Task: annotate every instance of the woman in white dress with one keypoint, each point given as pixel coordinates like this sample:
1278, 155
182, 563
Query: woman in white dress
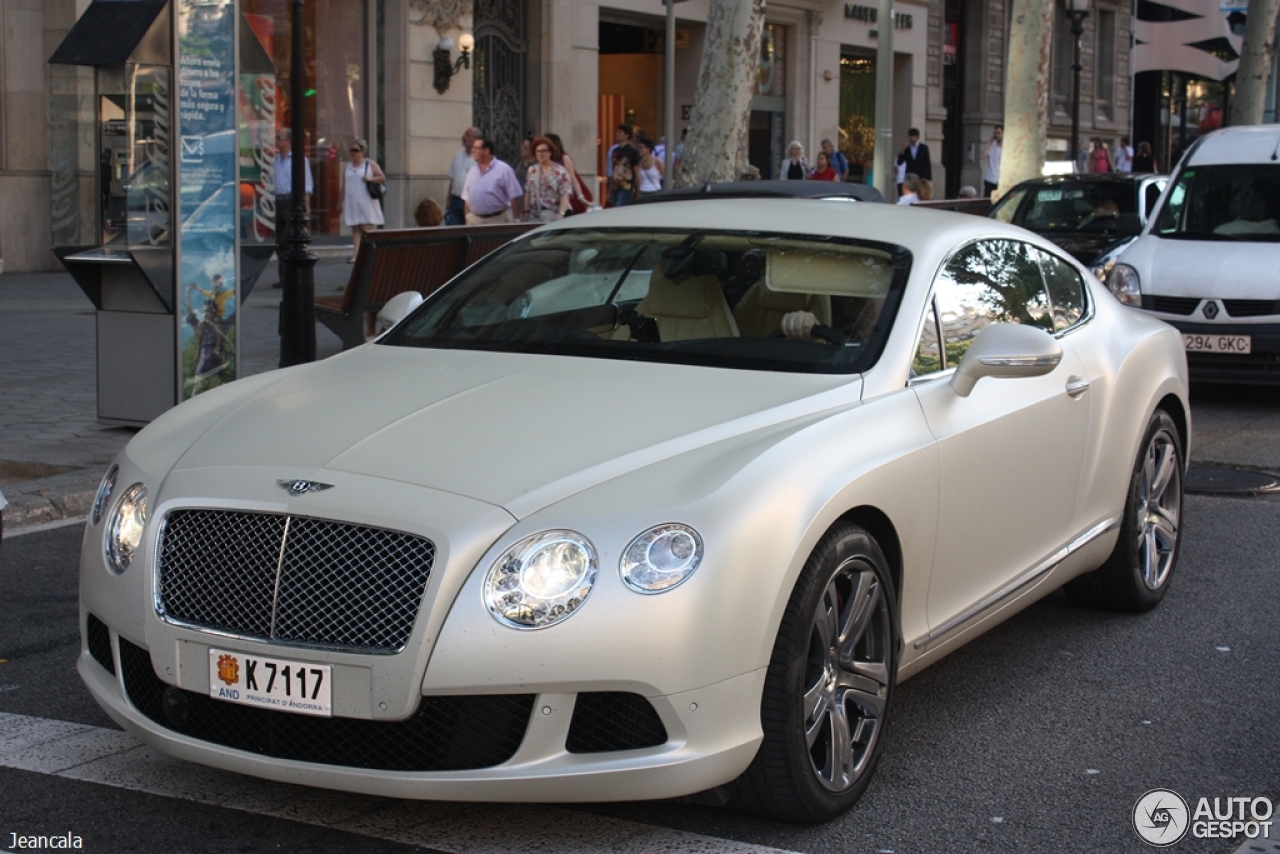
650, 171
359, 210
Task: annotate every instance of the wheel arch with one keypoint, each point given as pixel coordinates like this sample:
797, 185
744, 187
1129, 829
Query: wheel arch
1172, 404
880, 526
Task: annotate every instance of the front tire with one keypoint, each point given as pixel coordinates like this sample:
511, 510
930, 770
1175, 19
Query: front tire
1137, 574
829, 686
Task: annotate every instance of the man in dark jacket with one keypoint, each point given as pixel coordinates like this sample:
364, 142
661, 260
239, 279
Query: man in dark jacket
916, 157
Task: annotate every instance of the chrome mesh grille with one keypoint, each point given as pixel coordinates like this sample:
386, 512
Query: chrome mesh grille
292, 579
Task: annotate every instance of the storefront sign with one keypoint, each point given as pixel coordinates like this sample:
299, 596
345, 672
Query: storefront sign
207, 284
854, 12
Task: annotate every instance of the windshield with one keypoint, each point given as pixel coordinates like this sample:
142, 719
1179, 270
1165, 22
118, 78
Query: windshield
1238, 202
680, 297
1078, 206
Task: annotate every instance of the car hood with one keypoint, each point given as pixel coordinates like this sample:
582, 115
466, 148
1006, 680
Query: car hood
1196, 268
514, 430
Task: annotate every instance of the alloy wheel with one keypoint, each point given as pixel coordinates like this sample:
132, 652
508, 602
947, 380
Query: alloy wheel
1159, 510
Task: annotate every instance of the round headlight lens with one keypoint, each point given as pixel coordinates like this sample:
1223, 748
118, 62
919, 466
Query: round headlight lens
541, 580
124, 531
104, 494
1123, 282
661, 558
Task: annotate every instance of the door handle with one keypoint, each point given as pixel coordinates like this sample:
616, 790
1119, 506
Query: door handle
1077, 386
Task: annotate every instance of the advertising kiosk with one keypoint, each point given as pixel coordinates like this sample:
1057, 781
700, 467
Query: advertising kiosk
162, 139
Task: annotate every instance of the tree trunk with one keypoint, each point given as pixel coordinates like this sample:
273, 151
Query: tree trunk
1255, 63
1026, 88
716, 149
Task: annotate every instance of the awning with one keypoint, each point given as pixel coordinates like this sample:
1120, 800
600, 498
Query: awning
113, 32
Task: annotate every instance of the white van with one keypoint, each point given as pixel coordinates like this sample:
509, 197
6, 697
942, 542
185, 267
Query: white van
1208, 261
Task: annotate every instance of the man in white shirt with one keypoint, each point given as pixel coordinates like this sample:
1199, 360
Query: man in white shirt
911, 188
1123, 157
991, 162
491, 192
455, 212
284, 187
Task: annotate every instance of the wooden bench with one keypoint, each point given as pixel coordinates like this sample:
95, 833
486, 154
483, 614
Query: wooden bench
409, 259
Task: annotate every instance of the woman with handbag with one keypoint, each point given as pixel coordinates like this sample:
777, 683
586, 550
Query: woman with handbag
581, 200
363, 186
547, 186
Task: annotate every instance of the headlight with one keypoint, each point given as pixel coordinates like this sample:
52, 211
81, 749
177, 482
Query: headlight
661, 558
124, 531
104, 494
1123, 282
541, 580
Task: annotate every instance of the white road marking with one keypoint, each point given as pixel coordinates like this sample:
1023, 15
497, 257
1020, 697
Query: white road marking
117, 759
43, 526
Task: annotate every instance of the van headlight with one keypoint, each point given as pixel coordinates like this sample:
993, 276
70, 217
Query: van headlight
541, 580
1123, 282
126, 527
661, 558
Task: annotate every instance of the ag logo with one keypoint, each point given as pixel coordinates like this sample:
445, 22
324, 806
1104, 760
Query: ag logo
1161, 817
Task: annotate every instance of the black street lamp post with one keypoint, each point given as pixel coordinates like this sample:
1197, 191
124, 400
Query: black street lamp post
1077, 11
297, 265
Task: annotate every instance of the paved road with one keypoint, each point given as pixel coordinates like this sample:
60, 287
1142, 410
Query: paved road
1039, 736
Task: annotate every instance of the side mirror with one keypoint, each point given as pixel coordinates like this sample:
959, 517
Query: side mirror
1006, 350
1128, 225
395, 310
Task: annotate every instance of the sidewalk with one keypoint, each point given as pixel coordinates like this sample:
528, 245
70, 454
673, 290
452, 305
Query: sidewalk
53, 451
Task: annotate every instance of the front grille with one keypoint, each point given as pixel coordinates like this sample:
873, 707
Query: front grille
98, 637
1251, 307
1171, 305
292, 579
612, 720
444, 734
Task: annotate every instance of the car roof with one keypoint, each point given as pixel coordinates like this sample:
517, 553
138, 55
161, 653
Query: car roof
767, 189
1242, 144
1087, 178
920, 230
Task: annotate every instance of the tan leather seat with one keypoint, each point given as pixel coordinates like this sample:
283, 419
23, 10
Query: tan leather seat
760, 311
693, 308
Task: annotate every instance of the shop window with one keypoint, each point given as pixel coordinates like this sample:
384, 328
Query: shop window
858, 114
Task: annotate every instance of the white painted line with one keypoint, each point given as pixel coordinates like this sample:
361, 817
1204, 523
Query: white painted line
117, 759
43, 526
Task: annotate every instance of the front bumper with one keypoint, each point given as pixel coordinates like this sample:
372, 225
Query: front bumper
712, 734
1260, 366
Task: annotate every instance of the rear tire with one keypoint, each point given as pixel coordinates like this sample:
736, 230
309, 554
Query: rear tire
1137, 574
829, 686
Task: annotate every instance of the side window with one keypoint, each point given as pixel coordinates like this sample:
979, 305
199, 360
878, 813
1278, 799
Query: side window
991, 281
1153, 196
1066, 290
1008, 206
928, 357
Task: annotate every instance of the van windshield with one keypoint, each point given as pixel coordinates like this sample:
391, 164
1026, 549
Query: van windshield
1236, 202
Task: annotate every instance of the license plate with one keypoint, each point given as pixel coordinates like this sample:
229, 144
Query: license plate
271, 683
1239, 344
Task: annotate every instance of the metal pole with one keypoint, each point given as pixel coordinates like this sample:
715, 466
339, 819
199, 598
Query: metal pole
886, 172
297, 266
669, 97
1077, 30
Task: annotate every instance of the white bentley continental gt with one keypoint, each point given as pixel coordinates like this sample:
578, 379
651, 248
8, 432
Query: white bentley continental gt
650, 502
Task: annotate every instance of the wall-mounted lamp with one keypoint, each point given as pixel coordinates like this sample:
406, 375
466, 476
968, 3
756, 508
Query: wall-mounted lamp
446, 67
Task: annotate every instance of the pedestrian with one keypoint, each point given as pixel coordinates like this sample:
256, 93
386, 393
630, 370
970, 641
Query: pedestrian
991, 153
838, 161
581, 200
1144, 161
968, 192
492, 191
1099, 157
622, 176
1123, 157
622, 135
526, 160
794, 166
916, 156
925, 193
548, 185
679, 154
823, 170
462, 163
428, 214
650, 171
359, 208
284, 189
912, 186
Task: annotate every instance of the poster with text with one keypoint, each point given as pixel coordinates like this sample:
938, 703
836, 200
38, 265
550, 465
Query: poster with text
208, 286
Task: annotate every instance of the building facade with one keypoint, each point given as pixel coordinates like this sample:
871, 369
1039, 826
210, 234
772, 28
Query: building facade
387, 71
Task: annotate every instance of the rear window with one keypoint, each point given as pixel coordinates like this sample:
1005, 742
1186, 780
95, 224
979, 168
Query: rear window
1233, 202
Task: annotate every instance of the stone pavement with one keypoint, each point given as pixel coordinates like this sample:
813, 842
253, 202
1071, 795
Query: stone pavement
53, 451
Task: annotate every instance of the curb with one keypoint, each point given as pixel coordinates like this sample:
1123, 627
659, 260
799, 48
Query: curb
50, 499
